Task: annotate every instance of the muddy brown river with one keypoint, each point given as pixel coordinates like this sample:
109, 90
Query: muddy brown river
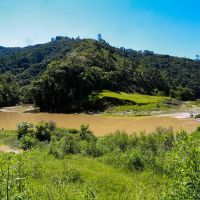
99, 124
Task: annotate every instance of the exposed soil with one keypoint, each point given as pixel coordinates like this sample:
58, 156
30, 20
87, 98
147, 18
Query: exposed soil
8, 149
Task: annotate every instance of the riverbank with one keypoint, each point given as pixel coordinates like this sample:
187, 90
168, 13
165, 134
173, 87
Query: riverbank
19, 108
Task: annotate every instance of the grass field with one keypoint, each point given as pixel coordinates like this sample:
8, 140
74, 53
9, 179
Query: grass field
9, 138
136, 98
77, 177
136, 104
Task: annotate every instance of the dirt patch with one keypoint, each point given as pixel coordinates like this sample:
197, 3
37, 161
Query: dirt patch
8, 149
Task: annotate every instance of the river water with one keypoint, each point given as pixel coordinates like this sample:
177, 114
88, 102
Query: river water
99, 124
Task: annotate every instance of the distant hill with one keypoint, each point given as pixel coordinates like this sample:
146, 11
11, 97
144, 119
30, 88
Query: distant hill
28, 63
65, 71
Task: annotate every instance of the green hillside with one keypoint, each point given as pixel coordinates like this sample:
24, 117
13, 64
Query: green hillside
60, 75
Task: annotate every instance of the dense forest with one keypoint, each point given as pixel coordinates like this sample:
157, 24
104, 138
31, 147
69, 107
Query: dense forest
61, 75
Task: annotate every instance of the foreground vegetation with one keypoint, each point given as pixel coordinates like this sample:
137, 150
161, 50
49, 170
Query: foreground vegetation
74, 164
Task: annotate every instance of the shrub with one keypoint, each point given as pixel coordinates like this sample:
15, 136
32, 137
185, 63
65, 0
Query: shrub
134, 139
197, 116
185, 181
134, 161
118, 140
23, 129
73, 131
69, 144
121, 140
43, 131
54, 149
148, 144
86, 133
74, 176
51, 125
27, 142
198, 129
92, 150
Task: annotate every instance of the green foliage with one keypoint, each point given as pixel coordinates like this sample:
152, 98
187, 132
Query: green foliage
197, 116
159, 165
60, 75
29, 135
27, 142
9, 138
23, 129
37, 175
118, 140
25, 95
69, 144
9, 94
86, 134
134, 161
43, 131
186, 176
184, 94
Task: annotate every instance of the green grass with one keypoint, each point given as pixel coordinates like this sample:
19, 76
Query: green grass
9, 138
127, 104
149, 107
136, 104
111, 183
48, 178
136, 98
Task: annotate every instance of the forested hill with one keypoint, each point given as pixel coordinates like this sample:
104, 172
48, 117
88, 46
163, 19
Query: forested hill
64, 72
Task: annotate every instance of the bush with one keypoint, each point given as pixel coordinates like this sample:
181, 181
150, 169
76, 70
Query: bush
51, 125
197, 116
68, 176
54, 149
118, 140
134, 161
74, 176
198, 129
134, 139
185, 180
86, 133
43, 131
23, 129
69, 144
27, 142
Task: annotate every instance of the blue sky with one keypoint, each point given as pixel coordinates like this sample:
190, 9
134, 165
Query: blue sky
163, 26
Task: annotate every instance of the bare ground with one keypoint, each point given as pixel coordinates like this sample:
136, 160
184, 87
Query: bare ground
8, 149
